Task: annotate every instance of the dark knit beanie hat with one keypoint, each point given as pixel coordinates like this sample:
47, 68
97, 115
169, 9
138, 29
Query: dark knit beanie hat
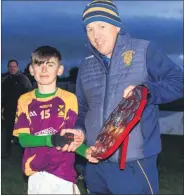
101, 10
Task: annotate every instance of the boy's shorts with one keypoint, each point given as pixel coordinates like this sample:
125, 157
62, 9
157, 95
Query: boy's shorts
46, 183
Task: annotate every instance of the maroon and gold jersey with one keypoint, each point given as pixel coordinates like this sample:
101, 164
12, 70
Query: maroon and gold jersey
46, 116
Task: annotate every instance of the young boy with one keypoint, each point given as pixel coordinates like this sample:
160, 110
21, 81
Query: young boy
41, 115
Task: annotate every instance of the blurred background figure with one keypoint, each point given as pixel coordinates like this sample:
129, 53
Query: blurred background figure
28, 75
14, 84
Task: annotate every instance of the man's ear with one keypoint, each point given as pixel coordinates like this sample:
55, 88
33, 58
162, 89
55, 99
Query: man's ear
31, 70
118, 29
60, 70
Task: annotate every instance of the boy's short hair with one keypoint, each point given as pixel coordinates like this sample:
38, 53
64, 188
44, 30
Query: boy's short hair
44, 53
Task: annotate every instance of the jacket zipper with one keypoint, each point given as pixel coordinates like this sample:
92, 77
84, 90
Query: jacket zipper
106, 82
106, 74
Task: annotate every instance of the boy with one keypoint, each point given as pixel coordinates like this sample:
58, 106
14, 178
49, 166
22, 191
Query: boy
41, 115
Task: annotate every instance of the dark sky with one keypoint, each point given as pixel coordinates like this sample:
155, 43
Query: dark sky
27, 25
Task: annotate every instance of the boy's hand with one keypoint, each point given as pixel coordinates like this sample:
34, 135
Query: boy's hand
89, 157
78, 140
60, 141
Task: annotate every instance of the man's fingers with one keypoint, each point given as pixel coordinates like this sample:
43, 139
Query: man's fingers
65, 148
71, 147
68, 148
89, 157
63, 131
128, 91
58, 147
92, 159
78, 135
78, 139
92, 148
129, 94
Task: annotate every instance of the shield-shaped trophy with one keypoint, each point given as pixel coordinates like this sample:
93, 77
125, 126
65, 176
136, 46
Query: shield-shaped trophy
117, 127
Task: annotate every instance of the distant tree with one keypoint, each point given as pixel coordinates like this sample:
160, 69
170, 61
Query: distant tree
73, 74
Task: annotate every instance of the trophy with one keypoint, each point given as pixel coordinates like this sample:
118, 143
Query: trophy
116, 129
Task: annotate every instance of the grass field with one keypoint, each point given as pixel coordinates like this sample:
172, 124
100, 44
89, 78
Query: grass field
171, 169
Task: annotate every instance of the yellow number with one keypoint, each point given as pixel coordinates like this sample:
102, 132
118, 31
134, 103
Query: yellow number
45, 114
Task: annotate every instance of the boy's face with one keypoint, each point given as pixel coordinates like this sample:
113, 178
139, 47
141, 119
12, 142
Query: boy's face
47, 72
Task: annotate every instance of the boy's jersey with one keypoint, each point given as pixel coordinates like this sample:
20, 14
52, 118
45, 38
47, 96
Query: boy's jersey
44, 116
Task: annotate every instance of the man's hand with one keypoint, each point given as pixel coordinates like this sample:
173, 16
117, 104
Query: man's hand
89, 157
128, 91
78, 140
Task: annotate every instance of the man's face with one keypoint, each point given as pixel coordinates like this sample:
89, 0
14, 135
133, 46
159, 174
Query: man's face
46, 73
13, 68
102, 36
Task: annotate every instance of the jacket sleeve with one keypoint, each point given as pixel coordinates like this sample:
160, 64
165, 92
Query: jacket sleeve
82, 104
165, 78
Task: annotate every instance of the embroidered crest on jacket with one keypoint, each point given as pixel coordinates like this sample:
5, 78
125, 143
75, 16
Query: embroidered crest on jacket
128, 57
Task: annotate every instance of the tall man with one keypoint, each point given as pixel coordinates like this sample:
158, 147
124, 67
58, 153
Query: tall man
119, 63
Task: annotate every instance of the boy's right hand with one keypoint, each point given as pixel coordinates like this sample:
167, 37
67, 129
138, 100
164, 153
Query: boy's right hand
60, 141
78, 140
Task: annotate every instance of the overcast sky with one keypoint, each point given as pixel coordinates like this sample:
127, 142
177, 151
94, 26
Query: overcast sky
27, 25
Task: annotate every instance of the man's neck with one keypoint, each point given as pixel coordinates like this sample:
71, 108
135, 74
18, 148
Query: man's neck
108, 55
46, 89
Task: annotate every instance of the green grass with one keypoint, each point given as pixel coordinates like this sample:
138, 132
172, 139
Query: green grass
170, 164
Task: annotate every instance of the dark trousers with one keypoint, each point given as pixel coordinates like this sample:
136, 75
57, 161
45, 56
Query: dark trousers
138, 177
80, 163
8, 125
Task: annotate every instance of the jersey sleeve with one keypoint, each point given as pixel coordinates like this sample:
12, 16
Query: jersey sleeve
72, 112
21, 124
28, 140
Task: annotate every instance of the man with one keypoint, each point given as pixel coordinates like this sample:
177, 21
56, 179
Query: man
14, 84
119, 63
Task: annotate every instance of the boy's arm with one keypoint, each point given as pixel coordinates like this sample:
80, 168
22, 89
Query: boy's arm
81, 150
22, 131
28, 140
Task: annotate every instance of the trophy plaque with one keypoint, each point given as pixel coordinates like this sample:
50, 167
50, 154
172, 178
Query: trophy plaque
119, 124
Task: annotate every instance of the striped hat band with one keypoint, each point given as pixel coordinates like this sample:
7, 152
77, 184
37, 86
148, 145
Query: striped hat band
101, 10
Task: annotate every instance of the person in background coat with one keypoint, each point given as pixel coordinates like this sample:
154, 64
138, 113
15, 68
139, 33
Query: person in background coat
14, 84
